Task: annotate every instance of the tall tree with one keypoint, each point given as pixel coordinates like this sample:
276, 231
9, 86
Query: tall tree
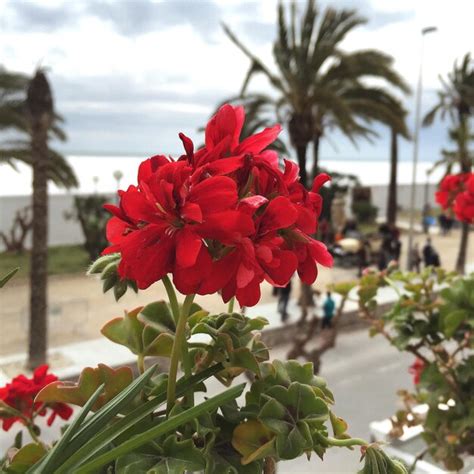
456, 101
319, 86
392, 196
39, 105
14, 120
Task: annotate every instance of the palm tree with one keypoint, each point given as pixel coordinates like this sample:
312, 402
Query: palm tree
392, 198
39, 104
14, 119
456, 100
319, 86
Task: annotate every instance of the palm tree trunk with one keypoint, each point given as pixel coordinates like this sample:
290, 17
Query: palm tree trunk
462, 254
301, 154
40, 108
392, 188
316, 140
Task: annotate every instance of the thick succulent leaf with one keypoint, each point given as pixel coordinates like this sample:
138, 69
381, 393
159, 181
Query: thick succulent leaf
22, 459
146, 331
253, 441
126, 331
134, 463
178, 457
158, 316
114, 380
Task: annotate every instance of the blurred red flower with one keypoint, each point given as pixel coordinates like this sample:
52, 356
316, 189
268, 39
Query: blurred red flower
20, 394
456, 192
222, 218
416, 369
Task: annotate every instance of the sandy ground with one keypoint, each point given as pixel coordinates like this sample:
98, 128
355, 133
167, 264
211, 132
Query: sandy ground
78, 308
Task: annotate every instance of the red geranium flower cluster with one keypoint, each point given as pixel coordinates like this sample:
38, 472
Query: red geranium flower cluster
457, 192
222, 218
416, 369
20, 394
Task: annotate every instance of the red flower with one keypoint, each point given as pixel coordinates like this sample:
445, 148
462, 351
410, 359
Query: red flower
20, 394
222, 218
416, 369
457, 192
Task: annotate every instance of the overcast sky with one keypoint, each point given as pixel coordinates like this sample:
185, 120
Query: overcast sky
129, 75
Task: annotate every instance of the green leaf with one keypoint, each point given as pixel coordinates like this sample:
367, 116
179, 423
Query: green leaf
253, 441
242, 358
178, 457
100, 419
134, 463
161, 429
7, 277
146, 331
25, 457
453, 320
126, 331
158, 316
339, 426
71, 430
114, 380
104, 435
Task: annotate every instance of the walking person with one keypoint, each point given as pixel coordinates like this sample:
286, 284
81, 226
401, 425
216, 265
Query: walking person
426, 218
329, 307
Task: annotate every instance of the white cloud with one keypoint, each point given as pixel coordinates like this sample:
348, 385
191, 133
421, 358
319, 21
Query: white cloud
184, 70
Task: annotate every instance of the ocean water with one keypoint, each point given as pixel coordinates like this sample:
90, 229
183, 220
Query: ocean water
95, 173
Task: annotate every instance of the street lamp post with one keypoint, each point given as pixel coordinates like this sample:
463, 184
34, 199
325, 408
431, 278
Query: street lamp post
424, 31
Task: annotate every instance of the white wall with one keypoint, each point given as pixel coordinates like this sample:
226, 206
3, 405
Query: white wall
61, 230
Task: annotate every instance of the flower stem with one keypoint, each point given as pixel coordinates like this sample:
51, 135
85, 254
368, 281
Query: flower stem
179, 351
230, 308
33, 435
343, 442
172, 297
141, 364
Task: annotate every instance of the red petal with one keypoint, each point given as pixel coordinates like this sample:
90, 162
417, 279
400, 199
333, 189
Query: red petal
227, 122
188, 245
320, 253
258, 142
188, 145
250, 295
319, 181
191, 212
250, 204
214, 194
244, 276
189, 280
279, 214
150, 166
308, 271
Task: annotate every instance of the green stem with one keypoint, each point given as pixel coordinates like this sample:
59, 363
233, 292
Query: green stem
141, 363
179, 351
172, 297
33, 435
230, 308
345, 442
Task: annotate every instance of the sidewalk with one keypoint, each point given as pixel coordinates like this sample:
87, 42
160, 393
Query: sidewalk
78, 309
68, 360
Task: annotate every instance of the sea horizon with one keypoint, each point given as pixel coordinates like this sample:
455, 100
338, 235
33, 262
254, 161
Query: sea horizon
99, 176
